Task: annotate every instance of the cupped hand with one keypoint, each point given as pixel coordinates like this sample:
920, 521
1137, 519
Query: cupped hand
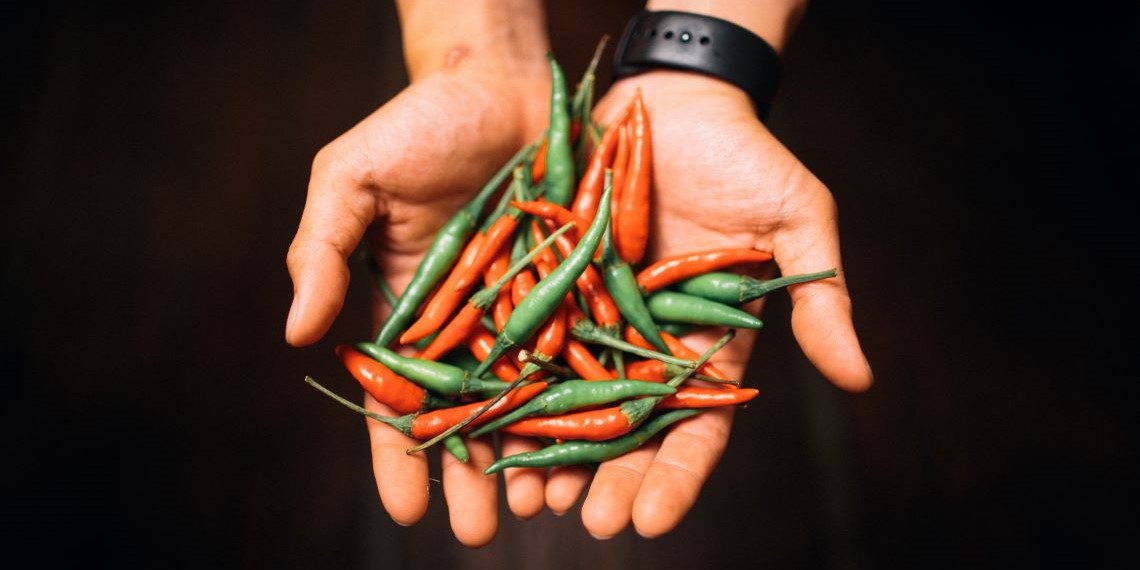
393, 180
719, 179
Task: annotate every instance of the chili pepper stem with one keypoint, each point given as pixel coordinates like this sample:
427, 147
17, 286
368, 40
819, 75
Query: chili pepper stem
404, 426
590, 333
538, 362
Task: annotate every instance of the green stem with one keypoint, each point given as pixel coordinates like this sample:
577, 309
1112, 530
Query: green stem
590, 333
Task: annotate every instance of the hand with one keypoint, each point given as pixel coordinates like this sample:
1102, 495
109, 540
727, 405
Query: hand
719, 179
398, 176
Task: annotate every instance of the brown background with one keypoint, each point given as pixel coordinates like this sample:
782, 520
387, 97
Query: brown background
157, 156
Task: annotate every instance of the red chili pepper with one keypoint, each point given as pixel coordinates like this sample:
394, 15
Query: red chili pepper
381, 383
430, 424
632, 220
678, 348
620, 166
582, 361
501, 309
592, 425
494, 241
551, 211
521, 285
538, 167
590, 187
665, 272
445, 299
480, 343
648, 370
455, 333
593, 289
694, 397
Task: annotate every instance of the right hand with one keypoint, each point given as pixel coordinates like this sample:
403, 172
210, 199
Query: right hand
396, 177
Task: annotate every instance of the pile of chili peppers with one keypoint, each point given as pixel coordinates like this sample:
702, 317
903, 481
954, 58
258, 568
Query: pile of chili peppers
534, 312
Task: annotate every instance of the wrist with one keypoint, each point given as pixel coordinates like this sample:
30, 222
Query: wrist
502, 38
714, 38
772, 20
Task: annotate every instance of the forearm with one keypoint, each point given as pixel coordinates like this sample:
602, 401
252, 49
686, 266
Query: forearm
500, 36
773, 20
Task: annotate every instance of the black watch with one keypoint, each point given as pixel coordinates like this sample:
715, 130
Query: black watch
703, 44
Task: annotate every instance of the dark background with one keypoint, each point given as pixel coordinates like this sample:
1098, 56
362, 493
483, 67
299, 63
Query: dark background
983, 159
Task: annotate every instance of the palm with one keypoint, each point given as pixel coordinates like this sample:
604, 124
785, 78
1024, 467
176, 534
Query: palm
719, 180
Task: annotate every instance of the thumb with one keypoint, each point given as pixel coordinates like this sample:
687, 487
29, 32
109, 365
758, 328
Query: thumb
821, 310
338, 209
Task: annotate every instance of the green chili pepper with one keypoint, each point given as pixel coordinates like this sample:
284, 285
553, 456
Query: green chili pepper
455, 445
574, 394
438, 377
623, 288
559, 175
734, 288
442, 254
575, 452
546, 295
691, 309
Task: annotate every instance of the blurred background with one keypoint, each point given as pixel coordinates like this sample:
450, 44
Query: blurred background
157, 156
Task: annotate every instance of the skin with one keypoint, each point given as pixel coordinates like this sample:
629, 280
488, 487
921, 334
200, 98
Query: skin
381, 183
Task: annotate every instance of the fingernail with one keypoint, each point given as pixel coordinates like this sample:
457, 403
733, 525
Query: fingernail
557, 513
601, 537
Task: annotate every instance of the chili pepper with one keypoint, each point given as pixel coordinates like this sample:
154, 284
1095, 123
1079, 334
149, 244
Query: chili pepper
650, 370
456, 447
678, 349
734, 288
386, 386
502, 307
538, 167
593, 288
685, 308
438, 377
604, 423
553, 212
621, 160
633, 210
582, 361
460, 327
424, 425
669, 270
590, 187
575, 394
622, 285
588, 332
496, 237
480, 343
559, 175
694, 397
442, 253
548, 342
446, 297
548, 293
577, 452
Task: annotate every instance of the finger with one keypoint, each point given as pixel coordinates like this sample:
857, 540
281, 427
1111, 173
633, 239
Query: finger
472, 497
401, 479
821, 310
686, 457
337, 211
564, 486
609, 503
525, 486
